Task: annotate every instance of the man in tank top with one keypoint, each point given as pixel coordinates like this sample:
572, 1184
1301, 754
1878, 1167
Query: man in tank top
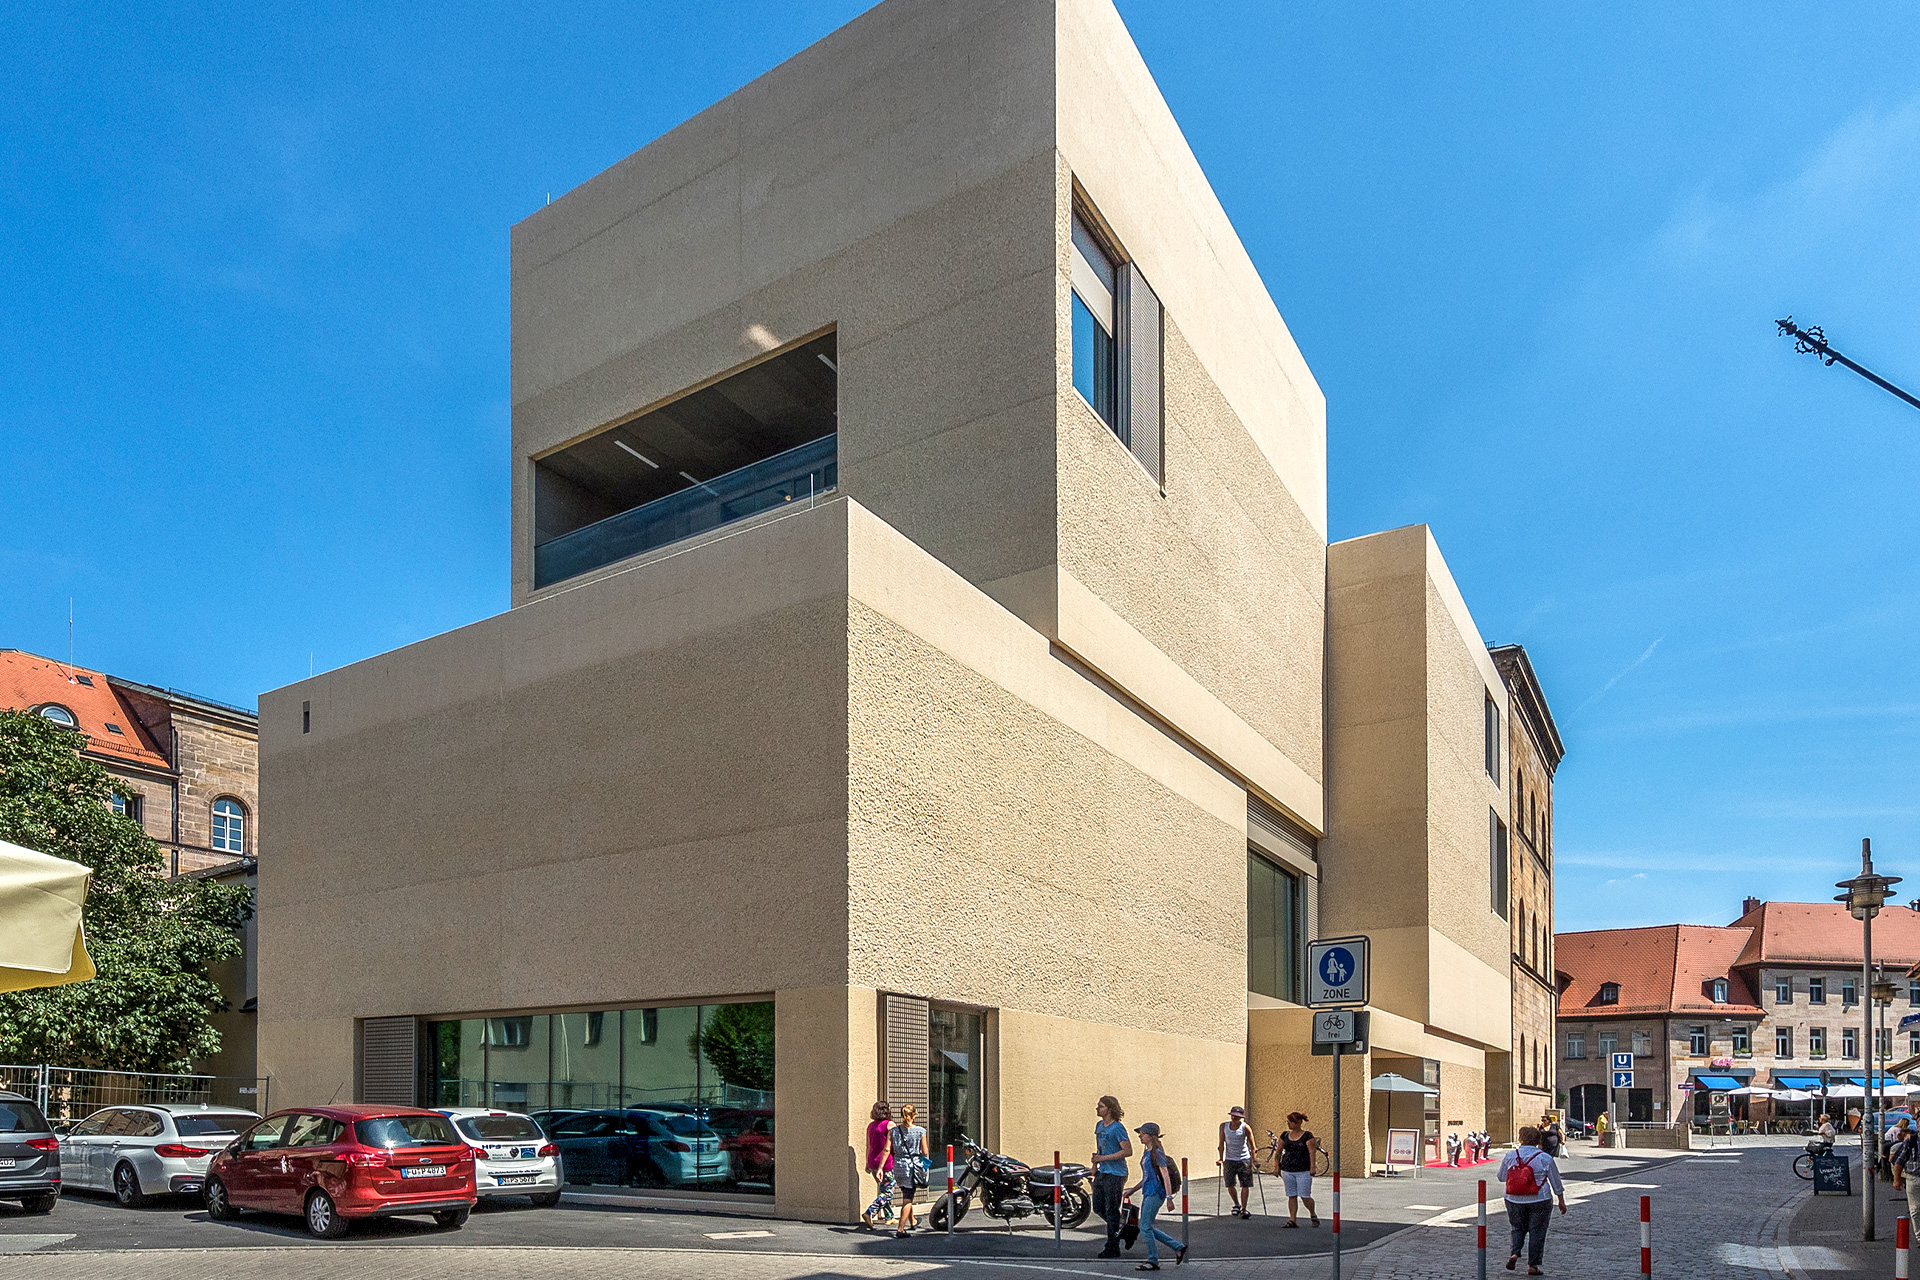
1236, 1159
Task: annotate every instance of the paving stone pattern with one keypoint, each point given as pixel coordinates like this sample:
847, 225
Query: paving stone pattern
1718, 1215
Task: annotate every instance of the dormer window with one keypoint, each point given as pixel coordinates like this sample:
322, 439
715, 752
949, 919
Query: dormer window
1719, 989
60, 715
1609, 993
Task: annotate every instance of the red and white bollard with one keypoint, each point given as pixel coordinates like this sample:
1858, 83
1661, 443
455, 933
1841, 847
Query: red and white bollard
953, 1205
1336, 1202
1902, 1238
1183, 1202
1646, 1235
1056, 1202
1481, 1222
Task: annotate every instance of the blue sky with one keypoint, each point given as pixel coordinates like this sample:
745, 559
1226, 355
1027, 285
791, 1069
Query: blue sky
254, 342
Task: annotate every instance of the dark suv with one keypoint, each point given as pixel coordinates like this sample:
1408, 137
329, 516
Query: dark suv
29, 1155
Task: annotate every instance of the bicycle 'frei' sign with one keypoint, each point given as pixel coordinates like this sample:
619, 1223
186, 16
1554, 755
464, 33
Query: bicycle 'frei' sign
1337, 971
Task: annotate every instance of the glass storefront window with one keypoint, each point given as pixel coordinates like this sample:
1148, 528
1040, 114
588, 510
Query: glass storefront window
677, 1096
956, 1039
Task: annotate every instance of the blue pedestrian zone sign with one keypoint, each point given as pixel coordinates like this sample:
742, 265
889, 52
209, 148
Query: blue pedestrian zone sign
1337, 971
1623, 1079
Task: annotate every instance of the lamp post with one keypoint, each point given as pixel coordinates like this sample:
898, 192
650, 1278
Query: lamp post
1865, 894
1882, 992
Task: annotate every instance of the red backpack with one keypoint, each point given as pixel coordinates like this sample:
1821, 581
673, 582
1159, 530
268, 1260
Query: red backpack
1522, 1181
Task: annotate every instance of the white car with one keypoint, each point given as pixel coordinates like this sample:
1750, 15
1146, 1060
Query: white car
512, 1156
148, 1150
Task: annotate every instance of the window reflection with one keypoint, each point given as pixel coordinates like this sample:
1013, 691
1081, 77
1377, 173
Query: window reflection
955, 1041
677, 1096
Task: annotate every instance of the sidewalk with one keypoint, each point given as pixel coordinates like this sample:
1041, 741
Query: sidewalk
1824, 1234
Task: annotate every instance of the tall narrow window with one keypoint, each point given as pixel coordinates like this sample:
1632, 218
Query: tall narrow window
1849, 1043
229, 826
1816, 990
1697, 1041
1273, 930
1095, 326
1783, 1042
1497, 859
1493, 739
1783, 990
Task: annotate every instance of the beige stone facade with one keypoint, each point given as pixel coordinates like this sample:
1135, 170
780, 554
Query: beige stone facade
1525, 1079
1000, 716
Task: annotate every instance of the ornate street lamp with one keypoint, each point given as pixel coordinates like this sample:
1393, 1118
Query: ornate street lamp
1865, 894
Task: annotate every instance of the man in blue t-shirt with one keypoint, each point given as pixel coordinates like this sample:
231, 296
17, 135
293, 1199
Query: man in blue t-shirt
1113, 1147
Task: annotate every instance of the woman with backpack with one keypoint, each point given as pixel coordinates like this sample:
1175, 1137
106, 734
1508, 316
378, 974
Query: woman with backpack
909, 1143
1532, 1182
1159, 1179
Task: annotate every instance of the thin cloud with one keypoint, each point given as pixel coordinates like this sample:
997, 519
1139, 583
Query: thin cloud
1623, 673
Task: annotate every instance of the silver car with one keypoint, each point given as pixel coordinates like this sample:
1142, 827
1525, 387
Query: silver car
149, 1150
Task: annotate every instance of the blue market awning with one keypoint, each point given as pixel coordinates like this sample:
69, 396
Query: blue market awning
1810, 1083
1715, 1082
1861, 1081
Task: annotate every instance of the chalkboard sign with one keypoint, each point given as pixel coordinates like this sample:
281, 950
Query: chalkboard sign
1830, 1174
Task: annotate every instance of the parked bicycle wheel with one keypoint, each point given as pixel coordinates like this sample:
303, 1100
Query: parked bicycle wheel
1803, 1165
1321, 1164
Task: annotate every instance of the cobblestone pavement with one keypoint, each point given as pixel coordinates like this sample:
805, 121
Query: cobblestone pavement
1718, 1215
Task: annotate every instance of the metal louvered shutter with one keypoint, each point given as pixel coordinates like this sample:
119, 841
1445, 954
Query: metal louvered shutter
1140, 372
905, 1069
390, 1061
1276, 825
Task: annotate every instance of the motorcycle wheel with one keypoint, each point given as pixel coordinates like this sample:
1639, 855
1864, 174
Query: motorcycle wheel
1078, 1204
937, 1219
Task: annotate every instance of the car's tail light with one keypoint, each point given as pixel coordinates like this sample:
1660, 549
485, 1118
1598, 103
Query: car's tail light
549, 1150
174, 1151
44, 1144
677, 1146
476, 1153
367, 1159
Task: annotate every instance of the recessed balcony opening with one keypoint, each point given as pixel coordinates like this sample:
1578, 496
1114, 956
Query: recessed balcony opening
761, 438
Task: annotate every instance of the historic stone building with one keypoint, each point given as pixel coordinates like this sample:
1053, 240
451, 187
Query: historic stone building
188, 766
1534, 750
1772, 1000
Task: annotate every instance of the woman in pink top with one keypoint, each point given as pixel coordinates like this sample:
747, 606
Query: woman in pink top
880, 1164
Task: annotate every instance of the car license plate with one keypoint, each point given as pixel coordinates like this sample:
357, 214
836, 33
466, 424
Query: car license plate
526, 1180
6, 1164
425, 1171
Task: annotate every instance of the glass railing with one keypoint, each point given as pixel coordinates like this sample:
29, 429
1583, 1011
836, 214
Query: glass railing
798, 475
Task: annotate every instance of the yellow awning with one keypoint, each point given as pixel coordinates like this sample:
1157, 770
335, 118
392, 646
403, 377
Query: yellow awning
41, 942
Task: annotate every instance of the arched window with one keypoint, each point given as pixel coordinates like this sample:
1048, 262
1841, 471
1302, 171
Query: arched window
60, 715
229, 825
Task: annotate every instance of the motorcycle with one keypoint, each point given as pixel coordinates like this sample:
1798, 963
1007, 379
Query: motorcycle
1008, 1189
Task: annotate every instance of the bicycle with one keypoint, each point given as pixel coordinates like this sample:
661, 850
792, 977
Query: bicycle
1266, 1159
1803, 1163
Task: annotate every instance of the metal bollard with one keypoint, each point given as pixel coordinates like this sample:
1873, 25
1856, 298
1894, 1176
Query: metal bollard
1183, 1203
1483, 1229
953, 1203
1646, 1235
1902, 1239
1057, 1206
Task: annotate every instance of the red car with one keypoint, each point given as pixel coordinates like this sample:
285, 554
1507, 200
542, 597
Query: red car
335, 1164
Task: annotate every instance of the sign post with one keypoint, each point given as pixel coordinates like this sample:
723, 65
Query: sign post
1622, 1079
1337, 984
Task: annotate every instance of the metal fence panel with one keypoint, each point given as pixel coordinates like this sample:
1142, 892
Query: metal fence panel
74, 1093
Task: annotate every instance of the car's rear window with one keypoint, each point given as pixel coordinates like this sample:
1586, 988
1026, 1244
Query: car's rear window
195, 1126
21, 1117
681, 1122
406, 1131
499, 1128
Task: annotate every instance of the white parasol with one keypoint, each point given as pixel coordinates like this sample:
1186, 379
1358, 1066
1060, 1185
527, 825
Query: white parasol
41, 944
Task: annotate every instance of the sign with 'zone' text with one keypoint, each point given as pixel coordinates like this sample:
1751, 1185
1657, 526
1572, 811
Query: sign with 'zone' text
1337, 971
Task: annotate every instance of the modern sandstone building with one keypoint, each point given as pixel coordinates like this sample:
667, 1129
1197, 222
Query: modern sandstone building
927, 675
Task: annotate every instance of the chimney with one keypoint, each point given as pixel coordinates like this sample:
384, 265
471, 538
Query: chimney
1750, 905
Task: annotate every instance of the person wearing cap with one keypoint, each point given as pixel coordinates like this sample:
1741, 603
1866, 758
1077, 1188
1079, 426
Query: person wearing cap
1155, 1188
1114, 1149
1236, 1159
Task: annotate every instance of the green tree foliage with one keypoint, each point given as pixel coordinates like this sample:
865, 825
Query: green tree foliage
738, 1041
151, 938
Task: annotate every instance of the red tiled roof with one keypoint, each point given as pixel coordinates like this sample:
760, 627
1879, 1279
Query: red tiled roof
1663, 969
28, 681
1823, 933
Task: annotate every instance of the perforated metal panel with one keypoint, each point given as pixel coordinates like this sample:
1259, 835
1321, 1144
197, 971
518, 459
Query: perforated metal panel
904, 1071
1141, 397
390, 1061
